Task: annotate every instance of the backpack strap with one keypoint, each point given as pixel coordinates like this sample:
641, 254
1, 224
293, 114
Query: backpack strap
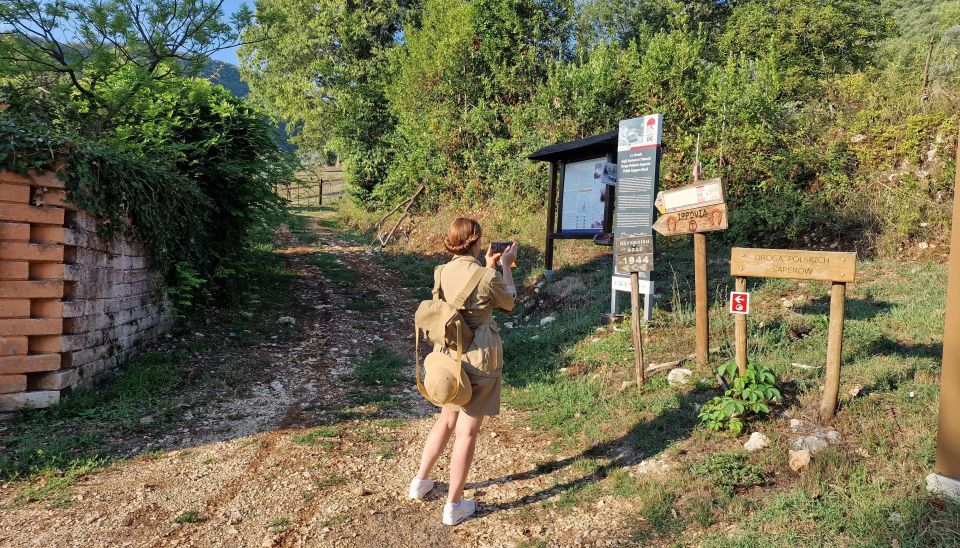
468, 289
437, 291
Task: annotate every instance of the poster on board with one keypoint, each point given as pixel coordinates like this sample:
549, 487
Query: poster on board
583, 198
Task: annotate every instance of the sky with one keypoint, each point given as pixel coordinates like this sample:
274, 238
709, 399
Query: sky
230, 55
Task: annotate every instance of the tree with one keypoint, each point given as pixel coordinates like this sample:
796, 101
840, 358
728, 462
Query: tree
811, 39
84, 46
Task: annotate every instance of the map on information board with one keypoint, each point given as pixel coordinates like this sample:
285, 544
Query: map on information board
582, 199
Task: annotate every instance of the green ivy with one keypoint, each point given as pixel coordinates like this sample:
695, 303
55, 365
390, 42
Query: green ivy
190, 180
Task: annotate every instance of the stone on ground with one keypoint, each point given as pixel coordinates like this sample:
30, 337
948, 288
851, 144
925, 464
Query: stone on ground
679, 376
799, 459
756, 442
810, 443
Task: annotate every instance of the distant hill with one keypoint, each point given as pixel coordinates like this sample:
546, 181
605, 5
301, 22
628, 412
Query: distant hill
227, 75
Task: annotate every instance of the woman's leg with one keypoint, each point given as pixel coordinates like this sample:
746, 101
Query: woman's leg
463, 447
437, 441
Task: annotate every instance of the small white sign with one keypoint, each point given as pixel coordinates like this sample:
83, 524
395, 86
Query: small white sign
739, 303
699, 194
622, 283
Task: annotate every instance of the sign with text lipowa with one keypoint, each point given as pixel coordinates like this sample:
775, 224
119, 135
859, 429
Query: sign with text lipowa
638, 171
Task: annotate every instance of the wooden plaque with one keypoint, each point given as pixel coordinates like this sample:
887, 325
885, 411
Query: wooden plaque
699, 194
690, 221
827, 266
634, 254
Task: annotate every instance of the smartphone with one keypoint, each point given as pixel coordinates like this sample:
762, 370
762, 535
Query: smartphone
500, 247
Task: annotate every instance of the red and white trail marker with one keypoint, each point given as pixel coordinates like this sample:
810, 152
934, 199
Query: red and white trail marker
739, 302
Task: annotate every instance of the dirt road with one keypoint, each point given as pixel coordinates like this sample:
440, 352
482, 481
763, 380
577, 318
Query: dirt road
306, 458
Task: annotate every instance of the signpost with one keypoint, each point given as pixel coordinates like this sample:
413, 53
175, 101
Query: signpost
838, 268
691, 221
634, 255
638, 164
695, 209
946, 476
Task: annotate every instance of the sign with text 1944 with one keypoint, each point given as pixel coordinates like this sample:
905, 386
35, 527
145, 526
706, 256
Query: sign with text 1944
634, 254
739, 302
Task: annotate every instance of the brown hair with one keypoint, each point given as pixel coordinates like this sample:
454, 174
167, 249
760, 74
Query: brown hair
461, 236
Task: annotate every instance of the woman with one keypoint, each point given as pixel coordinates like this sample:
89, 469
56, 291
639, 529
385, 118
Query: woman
483, 361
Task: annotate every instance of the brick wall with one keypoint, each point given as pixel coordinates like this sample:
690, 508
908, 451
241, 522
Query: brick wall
72, 306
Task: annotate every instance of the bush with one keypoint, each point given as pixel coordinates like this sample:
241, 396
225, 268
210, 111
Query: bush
727, 471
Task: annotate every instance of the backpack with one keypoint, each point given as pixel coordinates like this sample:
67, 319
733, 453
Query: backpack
441, 323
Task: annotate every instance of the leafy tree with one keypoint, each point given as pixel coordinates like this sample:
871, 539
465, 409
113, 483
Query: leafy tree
99, 54
323, 68
811, 39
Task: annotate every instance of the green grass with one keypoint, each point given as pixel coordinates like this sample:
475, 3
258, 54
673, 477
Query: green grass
278, 525
382, 368
320, 437
331, 268
187, 516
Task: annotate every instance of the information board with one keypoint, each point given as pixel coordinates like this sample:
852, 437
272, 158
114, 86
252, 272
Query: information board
582, 201
638, 163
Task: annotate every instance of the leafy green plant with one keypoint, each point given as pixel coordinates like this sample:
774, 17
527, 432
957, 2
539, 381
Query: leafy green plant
749, 394
728, 471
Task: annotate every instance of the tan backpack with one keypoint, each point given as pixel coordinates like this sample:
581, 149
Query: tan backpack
440, 321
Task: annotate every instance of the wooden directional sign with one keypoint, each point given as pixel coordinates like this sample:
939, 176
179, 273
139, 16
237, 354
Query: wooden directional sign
634, 254
699, 194
691, 221
797, 265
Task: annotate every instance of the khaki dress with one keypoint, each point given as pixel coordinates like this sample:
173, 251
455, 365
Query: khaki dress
483, 360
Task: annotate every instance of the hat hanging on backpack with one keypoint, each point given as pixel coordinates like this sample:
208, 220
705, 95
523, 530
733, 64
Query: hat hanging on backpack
444, 380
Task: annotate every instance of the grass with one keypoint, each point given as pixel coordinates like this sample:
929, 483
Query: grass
320, 437
331, 267
566, 377
382, 368
187, 516
278, 525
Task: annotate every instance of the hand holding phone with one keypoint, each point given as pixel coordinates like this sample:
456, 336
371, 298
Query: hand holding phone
506, 249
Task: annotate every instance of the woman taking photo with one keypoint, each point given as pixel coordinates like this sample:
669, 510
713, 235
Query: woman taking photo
482, 361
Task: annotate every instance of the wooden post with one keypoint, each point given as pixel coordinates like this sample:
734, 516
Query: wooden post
740, 331
831, 383
551, 219
948, 429
635, 321
320, 191
703, 310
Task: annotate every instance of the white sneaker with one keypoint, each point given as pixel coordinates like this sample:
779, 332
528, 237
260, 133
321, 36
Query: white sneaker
419, 488
456, 513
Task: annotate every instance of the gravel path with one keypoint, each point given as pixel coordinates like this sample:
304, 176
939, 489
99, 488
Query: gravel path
251, 483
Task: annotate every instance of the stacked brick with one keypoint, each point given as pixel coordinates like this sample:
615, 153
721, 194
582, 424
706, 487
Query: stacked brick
72, 306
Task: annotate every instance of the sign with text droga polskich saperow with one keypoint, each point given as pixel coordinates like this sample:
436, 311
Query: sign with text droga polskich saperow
828, 266
638, 171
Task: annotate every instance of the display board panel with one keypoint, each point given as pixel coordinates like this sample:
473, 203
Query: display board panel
583, 200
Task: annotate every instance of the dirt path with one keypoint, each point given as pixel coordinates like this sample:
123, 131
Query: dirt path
305, 465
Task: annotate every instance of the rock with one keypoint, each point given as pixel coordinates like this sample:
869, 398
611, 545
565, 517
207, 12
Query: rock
799, 460
625, 384
286, 320
858, 138
146, 420
756, 442
855, 391
832, 436
810, 443
804, 366
547, 320
268, 542
508, 325
795, 425
565, 288
362, 491
277, 387
679, 376
923, 245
